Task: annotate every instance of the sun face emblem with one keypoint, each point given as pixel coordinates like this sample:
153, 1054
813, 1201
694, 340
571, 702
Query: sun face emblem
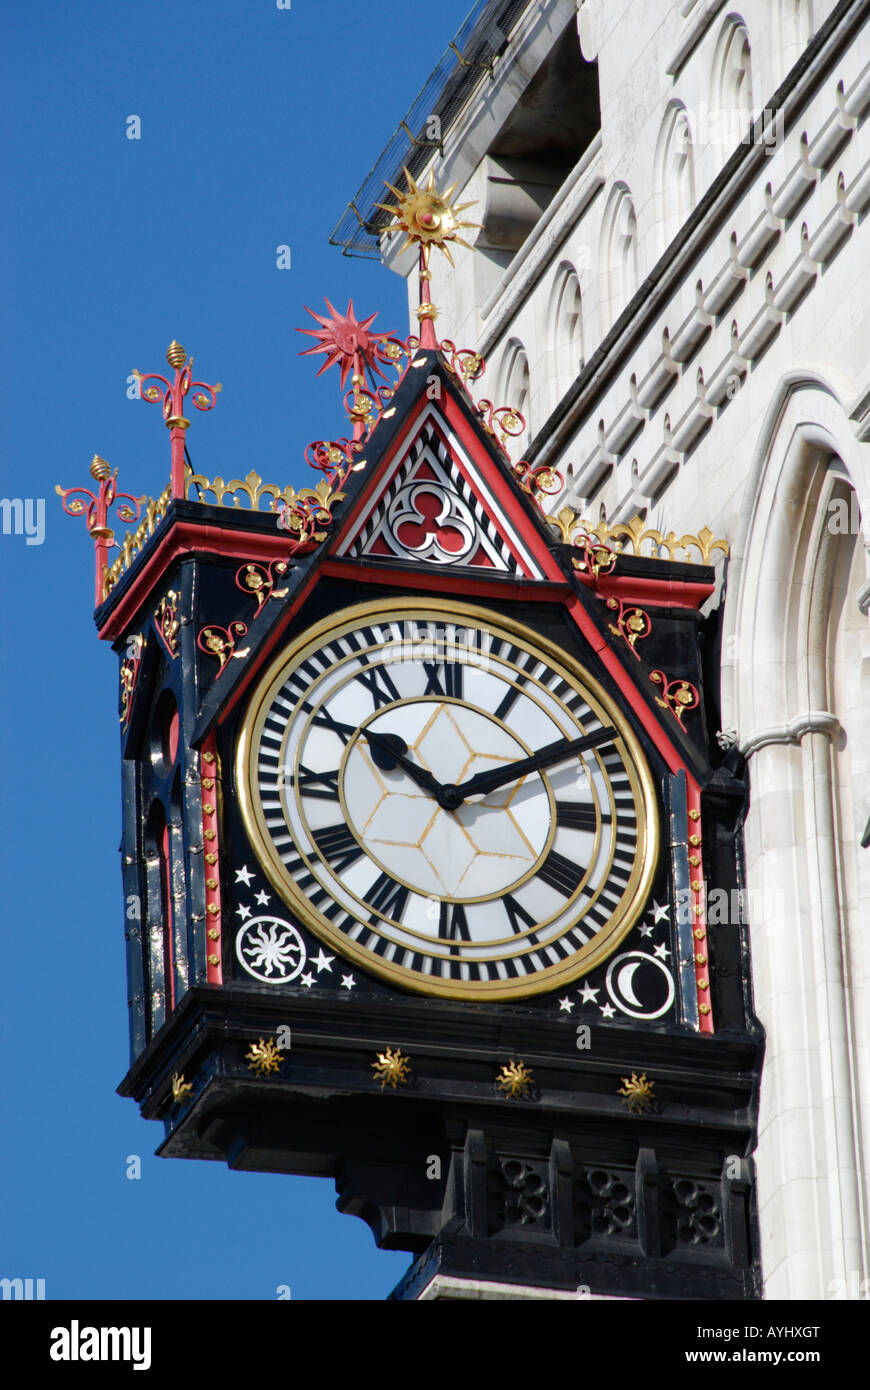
427, 217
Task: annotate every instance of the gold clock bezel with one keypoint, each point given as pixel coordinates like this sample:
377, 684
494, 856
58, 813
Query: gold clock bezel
635, 895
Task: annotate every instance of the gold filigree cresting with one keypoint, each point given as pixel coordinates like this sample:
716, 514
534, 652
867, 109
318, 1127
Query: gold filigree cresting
515, 1079
392, 1068
227, 494
220, 642
134, 541
259, 580
264, 1057
637, 1092
635, 538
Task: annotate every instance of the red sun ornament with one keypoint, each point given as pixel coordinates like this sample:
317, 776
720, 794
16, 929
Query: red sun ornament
347, 341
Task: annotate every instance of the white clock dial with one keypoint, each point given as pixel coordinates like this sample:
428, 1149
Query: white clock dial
448, 800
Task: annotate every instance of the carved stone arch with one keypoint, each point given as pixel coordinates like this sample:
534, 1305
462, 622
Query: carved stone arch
619, 254
565, 323
514, 389
675, 172
731, 83
796, 691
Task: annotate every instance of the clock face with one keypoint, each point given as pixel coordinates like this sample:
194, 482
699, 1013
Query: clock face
448, 799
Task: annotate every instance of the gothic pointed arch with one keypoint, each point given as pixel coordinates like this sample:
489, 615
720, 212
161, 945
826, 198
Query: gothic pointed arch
796, 690
620, 253
515, 387
731, 79
675, 172
566, 319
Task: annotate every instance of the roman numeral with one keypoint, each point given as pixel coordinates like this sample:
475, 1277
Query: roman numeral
323, 785
387, 897
510, 698
379, 683
337, 846
324, 720
448, 683
559, 873
575, 817
519, 919
453, 923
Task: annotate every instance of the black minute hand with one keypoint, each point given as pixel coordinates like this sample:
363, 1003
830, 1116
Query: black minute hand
557, 752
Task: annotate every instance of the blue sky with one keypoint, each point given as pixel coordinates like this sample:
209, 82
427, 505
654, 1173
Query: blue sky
257, 126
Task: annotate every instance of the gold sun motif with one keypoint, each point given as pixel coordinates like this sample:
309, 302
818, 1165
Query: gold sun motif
264, 1057
515, 1079
638, 1092
427, 216
392, 1068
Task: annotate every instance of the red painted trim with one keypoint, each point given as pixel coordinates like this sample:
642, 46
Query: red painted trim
670, 593
168, 921
481, 584
183, 538
211, 846
698, 907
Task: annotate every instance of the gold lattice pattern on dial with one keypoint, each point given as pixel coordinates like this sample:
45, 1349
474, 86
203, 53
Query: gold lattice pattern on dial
638, 1092
392, 1068
515, 1079
447, 751
264, 1057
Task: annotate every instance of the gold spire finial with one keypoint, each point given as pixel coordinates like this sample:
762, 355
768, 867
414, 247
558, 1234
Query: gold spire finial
175, 355
99, 468
427, 217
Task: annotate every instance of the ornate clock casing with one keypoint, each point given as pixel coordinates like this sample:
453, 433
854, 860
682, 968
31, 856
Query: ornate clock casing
420, 804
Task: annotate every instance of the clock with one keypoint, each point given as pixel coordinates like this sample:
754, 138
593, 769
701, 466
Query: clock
448, 799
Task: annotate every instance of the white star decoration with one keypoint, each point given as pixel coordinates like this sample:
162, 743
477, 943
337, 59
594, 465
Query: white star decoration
608, 1010
307, 979
661, 951
244, 912
589, 994
321, 961
347, 982
566, 1004
660, 912
244, 876
263, 897
647, 929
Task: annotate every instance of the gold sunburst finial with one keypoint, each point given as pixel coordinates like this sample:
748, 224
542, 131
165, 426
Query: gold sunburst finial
427, 217
264, 1057
515, 1079
181, 1089
637, 1091
392, 1067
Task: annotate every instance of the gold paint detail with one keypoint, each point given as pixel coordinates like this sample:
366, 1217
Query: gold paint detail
208, 808
694, 815
392, 1068
213, 934
631, 538
580, 962
209, 834
515, 1079
695, 840
703, 984
427, 217
263, 1057
208, 757
134, 541
213, 960
700, 960
703, 1008
175, 355
700, 933
213, 909
697, 885
694, 860
211, 883
181, 1090
211, 859
166, 618
208, 783
637, 1092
